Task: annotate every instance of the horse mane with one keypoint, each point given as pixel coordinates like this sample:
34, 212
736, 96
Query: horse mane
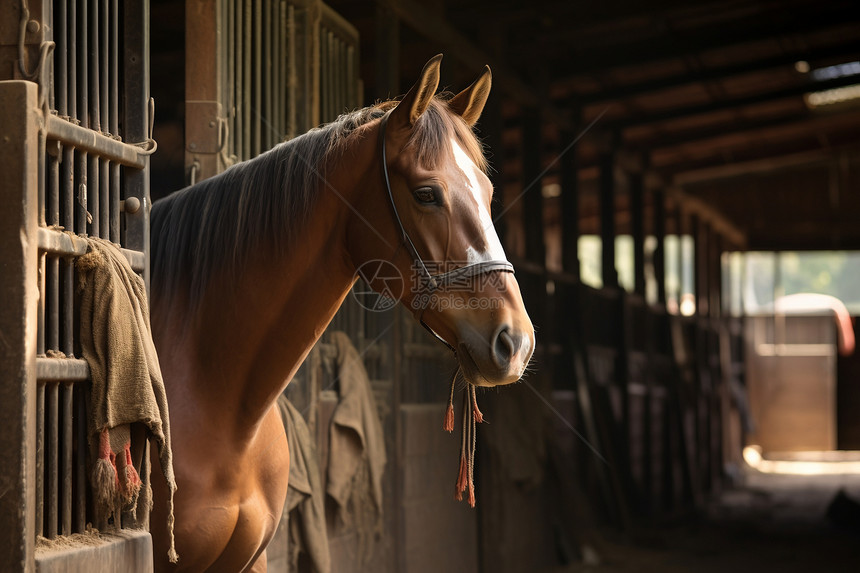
211, 227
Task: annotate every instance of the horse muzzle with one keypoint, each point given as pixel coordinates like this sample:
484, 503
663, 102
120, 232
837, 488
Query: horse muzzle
496, 360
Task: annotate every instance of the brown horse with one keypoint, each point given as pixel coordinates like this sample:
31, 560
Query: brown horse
250, 266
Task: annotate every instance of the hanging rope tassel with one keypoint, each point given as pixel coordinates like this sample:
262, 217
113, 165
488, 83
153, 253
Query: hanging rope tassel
449, 412
476, 413
461, 480
468, 443
463, 473
477, 417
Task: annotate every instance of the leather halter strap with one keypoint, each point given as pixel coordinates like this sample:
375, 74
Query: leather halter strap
432, 282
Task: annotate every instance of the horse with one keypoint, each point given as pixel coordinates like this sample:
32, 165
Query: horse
250, 266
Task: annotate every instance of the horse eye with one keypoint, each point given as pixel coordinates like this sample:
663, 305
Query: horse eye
425, 195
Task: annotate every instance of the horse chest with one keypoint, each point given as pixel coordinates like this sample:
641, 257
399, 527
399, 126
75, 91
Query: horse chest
231, 509
255, 522
262, 492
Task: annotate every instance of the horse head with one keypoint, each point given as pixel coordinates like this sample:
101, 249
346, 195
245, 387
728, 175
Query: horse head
434, 210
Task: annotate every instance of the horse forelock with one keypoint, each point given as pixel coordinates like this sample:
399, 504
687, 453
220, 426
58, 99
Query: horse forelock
212, 226
436, 128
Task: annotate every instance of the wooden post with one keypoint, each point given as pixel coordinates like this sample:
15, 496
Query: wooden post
19, 165
203, 111
716, 274
695, 233
532, 196
681, 224
659, 199
637, 214
570, 207
607, 217
703, 268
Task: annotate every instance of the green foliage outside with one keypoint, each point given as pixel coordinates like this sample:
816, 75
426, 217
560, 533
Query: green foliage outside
835, 273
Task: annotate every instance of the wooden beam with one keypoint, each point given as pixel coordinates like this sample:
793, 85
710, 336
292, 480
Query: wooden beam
776, 163
707, 213
840, 236
719, 144
720, 130
722, 33
729, 103
784, 59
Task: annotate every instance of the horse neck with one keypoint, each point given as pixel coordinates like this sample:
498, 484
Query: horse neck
252, 333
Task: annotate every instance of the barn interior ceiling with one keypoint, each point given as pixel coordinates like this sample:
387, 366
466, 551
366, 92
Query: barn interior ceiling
747, 106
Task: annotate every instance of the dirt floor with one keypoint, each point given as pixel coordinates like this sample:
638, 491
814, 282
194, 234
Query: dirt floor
769, 523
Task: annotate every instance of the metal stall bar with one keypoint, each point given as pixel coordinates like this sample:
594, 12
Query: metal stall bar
246, 81
57, 242
338, 84
113, 121
66, 450
40, 459
62, 370
277, 58
351, 75
82, 165
94, 163
330, 69
51, 295
88, 141
65, 81
257, 111
136, 122
266, 70
324, 95
238, 130
51, 463
81, 457
290, 73
227, 55
283, 57
104, 107
289, 69
340, 80
68, 108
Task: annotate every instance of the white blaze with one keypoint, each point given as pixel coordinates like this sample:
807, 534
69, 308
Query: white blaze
494, 251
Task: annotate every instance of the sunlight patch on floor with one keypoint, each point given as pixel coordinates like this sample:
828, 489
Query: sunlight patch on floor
803, 463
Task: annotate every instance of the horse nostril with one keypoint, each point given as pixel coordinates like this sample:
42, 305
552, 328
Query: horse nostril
504, 348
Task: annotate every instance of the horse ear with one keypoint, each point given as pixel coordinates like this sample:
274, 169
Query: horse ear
469, 103
416, 101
